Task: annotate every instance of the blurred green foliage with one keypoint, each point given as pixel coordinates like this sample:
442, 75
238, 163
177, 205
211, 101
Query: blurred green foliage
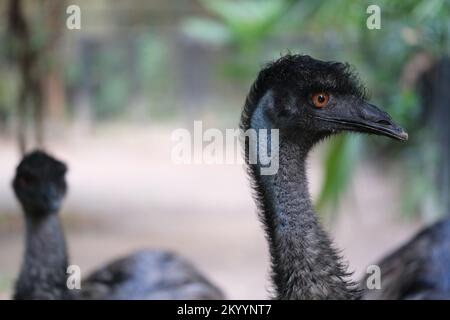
112, 92
139, 62
340, 161
115, 73
7, 94
261, 30
155, 74
242, 25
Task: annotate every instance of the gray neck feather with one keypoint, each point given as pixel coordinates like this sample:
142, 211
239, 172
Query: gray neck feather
304, 263
43, 271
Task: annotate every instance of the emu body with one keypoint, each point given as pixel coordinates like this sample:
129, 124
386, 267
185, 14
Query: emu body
419, 269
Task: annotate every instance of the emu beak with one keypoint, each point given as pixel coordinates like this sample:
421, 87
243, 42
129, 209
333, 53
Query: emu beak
376, 121
369, 119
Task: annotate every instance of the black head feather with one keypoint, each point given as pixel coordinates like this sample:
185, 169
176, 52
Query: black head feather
40, 183
302, 75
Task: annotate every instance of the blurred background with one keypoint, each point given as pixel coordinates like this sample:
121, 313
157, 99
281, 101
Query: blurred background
106, 99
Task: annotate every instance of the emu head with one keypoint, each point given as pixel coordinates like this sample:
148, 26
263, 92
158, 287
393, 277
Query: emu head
320, 98
39, 183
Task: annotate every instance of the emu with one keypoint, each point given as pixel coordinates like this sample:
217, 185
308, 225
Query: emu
307, 100
40, 187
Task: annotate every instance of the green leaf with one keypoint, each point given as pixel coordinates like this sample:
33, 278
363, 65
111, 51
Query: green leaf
205, 30
247, 20
341, 158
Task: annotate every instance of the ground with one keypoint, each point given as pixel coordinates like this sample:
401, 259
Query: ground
126, 194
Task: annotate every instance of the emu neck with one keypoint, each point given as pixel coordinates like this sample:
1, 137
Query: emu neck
43, 272
304, 263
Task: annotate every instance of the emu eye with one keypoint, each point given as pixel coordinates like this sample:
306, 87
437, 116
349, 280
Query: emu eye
320, 99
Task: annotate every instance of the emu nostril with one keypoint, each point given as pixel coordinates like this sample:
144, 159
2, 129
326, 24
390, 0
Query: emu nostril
384, 122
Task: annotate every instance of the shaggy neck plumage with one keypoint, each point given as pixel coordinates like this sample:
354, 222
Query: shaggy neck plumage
304, 263
43, 272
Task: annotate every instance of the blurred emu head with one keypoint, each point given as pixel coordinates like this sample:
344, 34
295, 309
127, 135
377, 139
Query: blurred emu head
40, 184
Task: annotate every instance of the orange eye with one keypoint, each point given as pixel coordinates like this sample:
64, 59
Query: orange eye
320, 99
